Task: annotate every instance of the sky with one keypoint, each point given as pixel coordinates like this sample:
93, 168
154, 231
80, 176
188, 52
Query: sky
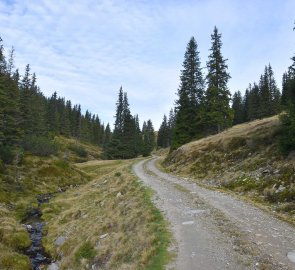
86, 49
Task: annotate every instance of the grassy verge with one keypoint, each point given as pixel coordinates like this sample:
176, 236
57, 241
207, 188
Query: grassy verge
108, 223
244, 160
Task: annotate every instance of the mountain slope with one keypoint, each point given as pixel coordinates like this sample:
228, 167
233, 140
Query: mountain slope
245, 159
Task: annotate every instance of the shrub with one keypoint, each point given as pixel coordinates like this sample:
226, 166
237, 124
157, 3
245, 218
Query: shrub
40, 146
79, 150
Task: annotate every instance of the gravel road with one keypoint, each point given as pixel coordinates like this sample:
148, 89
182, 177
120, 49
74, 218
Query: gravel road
213, 230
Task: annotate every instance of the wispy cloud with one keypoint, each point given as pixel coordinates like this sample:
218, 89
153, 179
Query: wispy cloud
85, 50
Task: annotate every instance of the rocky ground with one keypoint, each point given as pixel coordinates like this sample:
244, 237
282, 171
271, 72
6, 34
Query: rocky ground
213, 230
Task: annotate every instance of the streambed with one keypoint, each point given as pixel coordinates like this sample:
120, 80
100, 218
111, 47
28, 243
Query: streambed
34, 225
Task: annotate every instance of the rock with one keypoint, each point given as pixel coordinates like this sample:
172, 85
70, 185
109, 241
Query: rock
119, 194
60, 240
53, 266
291, 256
188, 222
280, 189
103, 236
266, 171
28, 227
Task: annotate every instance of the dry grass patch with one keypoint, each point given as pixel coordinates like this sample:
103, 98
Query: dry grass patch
245, 159
77, 151
109, 223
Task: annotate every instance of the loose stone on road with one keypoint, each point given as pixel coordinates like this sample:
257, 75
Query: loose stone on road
213, 230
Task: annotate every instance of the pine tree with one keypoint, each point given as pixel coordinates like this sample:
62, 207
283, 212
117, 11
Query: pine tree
171, 125
148, 138
238, 109
254, 103
269, 93
123, 143
163, 134
190, 97
138, 136
218, 114
107, 137
274, 92
26, 102
287, 141
118, 130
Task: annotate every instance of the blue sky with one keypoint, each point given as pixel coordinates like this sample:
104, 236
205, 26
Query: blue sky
86, 49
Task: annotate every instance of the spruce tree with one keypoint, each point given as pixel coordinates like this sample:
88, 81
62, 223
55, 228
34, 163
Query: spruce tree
218, 114
237, 107
148, 138
123, 143
163, 134
254, 103
269, 93
190, 97
287, 141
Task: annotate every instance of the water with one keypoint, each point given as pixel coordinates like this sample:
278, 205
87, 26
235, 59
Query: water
34, 225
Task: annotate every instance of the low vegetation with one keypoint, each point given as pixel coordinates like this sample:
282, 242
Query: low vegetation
109, 223
245, 159
22, 181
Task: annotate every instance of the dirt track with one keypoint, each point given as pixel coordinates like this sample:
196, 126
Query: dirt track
213, 230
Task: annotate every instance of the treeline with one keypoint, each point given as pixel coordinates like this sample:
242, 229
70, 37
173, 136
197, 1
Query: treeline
203, 104
260, 100
26, 115
128, 140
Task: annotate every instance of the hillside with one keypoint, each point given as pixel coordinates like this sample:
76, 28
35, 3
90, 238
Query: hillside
21, 183
98, 213
244, 159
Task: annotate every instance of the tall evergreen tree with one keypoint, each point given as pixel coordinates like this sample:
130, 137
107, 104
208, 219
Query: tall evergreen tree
123, 143
148, 138
254, 103
163, 134
238, 108
288, 119
218, 114
190, 97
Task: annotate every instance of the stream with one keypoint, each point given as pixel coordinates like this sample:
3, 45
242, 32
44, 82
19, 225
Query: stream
34, 225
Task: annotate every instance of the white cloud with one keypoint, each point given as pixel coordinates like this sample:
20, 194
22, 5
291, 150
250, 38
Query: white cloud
85, 50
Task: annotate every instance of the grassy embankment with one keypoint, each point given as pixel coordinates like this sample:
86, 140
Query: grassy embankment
102, 198
19, 186
109, 223
245, 159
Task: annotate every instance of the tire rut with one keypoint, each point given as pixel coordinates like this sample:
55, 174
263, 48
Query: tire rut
215, 231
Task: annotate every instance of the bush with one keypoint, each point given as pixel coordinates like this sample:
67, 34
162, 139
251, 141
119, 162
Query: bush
40, 146
79, 150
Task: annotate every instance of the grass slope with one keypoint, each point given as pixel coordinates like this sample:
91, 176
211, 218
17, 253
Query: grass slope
109, 223
244, 159
19, 186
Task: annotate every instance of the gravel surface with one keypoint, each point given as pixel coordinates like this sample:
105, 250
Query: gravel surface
213, 230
